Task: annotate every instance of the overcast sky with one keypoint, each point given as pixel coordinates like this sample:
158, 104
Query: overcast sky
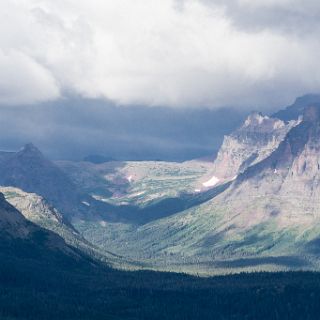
75, 127
242, 53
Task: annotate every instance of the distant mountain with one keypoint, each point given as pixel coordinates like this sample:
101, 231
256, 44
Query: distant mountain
30, 171
294, 111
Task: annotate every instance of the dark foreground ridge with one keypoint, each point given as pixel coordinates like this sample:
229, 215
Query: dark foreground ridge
33, 291
42, 278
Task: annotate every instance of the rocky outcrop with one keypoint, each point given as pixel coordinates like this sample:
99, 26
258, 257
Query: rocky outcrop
254, 141
289, 179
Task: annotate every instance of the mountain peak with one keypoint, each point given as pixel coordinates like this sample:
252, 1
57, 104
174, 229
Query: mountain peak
255, 118
30, 149
257, 122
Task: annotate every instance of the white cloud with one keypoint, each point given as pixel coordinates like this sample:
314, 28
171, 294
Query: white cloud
169, 52
23, 80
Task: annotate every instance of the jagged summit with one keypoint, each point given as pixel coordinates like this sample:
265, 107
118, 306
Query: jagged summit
30, 152
255, 118
29, 147
254, 141
257, 122
291, 172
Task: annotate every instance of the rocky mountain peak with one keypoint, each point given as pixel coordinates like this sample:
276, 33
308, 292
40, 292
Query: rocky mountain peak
255, 118
257, 122
254, 141
31, 150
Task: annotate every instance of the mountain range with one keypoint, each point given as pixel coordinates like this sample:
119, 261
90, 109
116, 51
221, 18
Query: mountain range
255, 207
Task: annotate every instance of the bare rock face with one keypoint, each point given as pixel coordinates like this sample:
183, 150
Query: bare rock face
288, 179
254, 141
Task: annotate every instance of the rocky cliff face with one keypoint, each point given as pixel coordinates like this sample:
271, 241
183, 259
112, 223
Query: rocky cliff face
254, 141
281, 193
291, 172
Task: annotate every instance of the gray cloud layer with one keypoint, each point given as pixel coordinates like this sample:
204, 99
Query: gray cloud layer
74, 128
244, 53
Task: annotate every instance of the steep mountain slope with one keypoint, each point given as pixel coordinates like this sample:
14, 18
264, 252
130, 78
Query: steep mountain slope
31, 172
37, 210
255, 140
23, 239
289, 178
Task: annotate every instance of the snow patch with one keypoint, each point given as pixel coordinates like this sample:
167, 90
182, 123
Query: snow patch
212, 182
130, 178
86, 203
103, 224
197, 190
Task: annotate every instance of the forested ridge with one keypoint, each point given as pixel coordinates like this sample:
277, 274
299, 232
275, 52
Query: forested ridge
31, 290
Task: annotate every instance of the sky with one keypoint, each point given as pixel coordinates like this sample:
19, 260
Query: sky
149, 79
176, 53
73, 128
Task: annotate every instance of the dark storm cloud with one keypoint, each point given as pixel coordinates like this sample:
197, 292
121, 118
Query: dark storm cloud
74, 128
